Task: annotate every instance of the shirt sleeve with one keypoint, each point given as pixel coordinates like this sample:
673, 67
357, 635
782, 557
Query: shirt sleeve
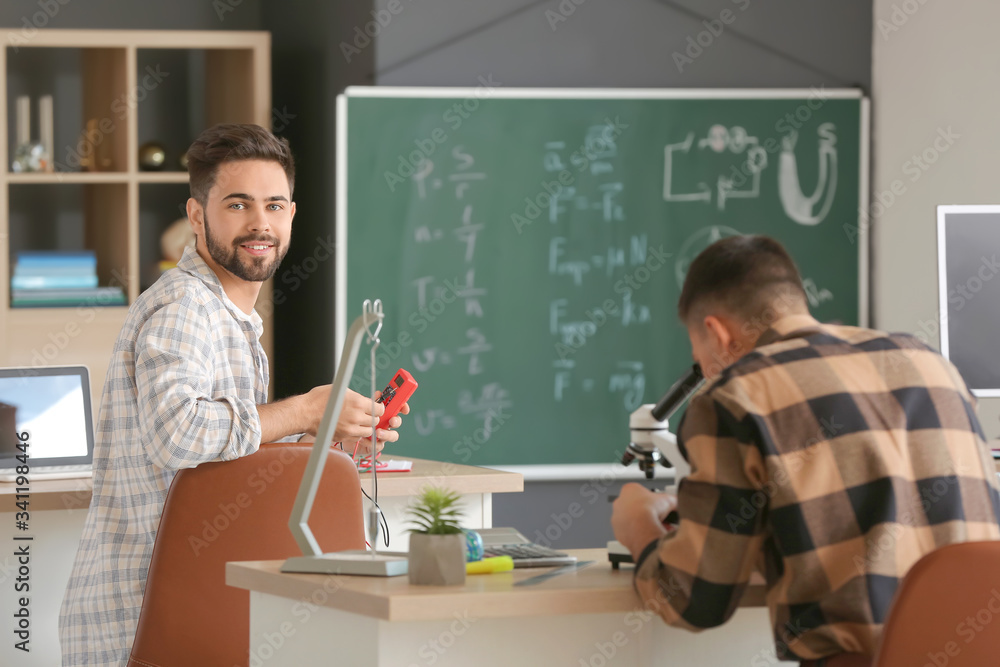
695, 576
181, 423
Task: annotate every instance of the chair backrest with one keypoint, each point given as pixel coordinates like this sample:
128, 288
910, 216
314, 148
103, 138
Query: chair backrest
229, 511
947, 610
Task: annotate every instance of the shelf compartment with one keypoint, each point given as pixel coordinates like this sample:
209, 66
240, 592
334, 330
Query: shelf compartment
86, 84
77, 216
195, 89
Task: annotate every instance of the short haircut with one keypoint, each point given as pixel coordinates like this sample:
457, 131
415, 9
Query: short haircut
743, 276
230, 142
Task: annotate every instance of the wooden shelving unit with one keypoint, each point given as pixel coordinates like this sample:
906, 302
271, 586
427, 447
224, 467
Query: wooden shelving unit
137, 85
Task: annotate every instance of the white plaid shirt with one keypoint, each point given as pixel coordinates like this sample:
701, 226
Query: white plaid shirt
185, 378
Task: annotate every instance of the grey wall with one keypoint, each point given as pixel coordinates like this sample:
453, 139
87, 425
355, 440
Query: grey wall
134, 14
621, 43
617, 43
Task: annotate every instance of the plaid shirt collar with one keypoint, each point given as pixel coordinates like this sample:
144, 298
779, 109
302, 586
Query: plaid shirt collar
192, 263
789, 326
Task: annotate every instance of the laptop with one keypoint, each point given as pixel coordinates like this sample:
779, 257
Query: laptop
45, 413
525, 553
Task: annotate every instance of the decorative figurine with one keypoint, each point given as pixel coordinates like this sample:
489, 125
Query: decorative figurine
152, 156
30, 155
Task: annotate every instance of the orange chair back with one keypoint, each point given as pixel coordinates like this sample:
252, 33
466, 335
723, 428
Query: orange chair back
946, 612
231, 511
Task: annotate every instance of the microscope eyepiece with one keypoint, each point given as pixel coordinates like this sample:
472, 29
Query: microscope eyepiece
678, 393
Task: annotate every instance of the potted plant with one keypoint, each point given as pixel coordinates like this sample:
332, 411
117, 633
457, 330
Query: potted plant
437, 543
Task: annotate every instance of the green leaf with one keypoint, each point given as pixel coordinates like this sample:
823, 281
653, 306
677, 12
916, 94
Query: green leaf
435, 512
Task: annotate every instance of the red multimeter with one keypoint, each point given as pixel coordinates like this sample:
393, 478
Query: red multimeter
395, 394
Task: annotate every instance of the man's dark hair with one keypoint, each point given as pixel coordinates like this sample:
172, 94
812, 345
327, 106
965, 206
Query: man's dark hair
229, 142
743, 276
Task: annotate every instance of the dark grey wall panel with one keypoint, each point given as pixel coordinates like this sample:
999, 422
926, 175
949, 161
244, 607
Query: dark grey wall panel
629, 43
134, 14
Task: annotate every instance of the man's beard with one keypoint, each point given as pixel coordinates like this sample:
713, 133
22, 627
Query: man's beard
255, 269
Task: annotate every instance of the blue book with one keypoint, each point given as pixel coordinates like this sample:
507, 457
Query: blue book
52, 282
80, 270
31, 258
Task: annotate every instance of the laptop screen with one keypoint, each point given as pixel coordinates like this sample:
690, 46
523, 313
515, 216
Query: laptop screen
51, 405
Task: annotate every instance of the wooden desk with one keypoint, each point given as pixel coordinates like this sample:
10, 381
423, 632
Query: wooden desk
588, 617
55, 494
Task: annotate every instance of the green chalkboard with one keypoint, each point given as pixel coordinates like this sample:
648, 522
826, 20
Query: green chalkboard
529, 248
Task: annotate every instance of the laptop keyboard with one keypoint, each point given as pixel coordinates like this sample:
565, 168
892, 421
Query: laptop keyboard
39, 473
528, 554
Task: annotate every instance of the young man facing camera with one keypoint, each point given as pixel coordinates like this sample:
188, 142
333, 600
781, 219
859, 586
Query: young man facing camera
188, 381
830, 457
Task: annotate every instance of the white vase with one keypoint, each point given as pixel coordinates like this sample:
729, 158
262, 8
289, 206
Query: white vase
437, 560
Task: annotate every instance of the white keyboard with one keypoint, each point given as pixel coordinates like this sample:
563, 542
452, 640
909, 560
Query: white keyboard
50, 472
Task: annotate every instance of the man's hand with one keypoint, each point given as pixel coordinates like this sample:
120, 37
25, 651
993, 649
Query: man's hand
383, 435
637, 516
304, 413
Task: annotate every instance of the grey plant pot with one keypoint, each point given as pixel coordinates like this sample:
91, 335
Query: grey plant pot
437, 560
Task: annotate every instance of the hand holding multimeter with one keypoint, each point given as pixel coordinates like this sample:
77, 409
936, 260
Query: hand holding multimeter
395, 395
394, 398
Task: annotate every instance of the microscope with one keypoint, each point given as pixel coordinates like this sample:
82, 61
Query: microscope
651, 444
650, 439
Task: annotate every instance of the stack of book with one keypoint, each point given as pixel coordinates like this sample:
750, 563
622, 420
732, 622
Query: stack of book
47, 279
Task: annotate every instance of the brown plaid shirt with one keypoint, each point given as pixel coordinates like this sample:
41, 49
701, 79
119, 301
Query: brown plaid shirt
831, 459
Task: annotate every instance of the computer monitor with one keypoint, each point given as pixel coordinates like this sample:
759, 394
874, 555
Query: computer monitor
969, 293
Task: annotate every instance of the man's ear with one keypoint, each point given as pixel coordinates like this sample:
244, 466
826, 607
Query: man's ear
718, 332
196, 216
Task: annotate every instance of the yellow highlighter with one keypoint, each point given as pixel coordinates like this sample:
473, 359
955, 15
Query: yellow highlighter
490, 565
